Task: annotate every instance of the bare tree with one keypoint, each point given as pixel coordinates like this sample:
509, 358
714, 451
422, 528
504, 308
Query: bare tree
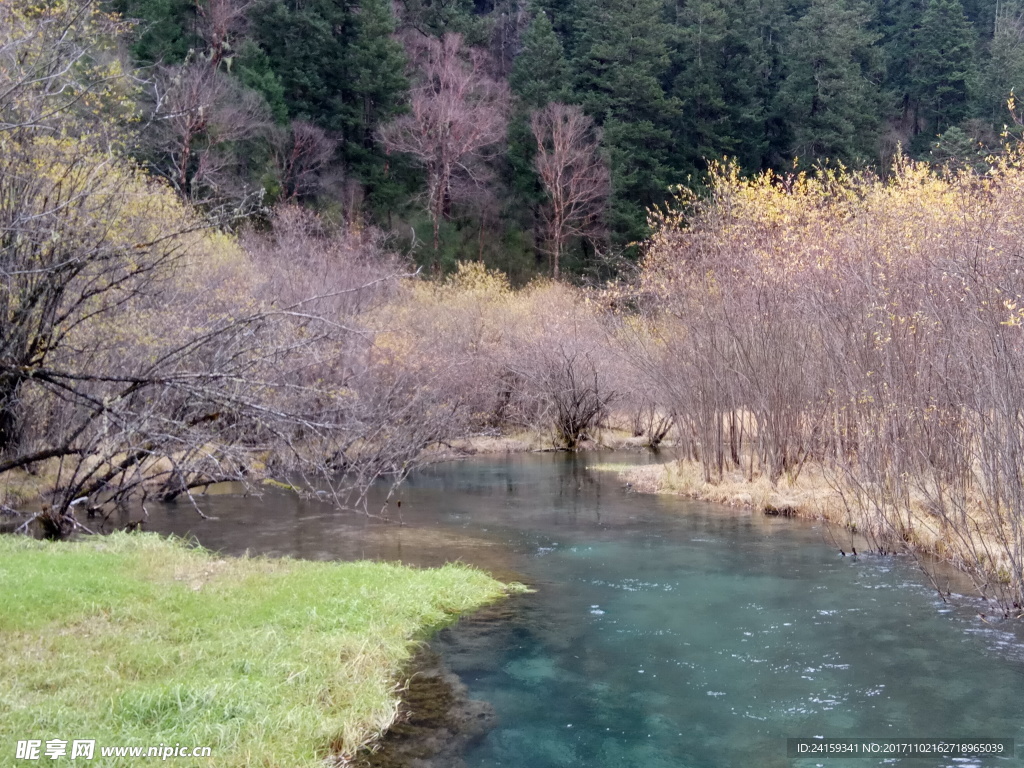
301, 154
220, 21
200, 117
142, 352
574, 175
457, 113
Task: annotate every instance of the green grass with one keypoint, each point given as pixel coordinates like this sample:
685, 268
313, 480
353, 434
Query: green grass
141, 640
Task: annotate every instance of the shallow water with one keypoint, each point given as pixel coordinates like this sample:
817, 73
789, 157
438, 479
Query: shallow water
663, 632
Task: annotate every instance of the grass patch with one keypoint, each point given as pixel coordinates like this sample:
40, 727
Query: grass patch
141, 640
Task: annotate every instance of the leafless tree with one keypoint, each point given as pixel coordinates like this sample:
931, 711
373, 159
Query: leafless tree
457, 116
573, 173
220, 22
139, 351
201, 115
301, 154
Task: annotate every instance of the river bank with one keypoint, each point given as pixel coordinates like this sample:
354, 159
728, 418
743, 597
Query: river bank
974, 546
140, 640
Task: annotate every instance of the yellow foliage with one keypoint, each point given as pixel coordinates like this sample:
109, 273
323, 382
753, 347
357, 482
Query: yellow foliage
60, 63
783, 230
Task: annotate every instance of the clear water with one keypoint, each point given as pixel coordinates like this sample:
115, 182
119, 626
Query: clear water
664, 632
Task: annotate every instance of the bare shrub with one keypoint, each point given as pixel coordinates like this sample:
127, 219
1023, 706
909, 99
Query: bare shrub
870, 327
579, 403
536, 358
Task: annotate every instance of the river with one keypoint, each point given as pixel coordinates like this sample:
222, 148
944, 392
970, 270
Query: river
663, 633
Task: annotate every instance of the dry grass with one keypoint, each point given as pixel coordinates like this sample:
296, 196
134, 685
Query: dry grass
809, 496
818, 494
529, 440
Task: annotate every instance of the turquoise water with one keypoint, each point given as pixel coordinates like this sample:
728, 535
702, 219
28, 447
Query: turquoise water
665, 632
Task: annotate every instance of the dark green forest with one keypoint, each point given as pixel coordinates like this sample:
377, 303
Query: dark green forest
334, 104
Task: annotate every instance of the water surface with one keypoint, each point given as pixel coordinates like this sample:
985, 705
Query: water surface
663, 632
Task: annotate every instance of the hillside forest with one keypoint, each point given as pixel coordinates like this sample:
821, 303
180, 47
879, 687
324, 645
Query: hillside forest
339, 105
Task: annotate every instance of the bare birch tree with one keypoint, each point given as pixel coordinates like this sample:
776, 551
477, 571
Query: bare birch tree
457, 115
573, 173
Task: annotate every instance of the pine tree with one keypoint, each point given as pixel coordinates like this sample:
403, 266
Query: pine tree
1004, 72
372, 93
437, 17
166, 29
832, 95
540, 76
541, 72
896, 22
703, 125
719, 69
622, 56
563, 15
253, 68
944, 73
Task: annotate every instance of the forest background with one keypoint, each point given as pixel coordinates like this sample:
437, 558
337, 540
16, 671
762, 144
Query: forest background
327, 102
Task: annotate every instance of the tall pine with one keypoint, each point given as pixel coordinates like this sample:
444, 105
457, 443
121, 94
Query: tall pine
342, 69
719, 81
832, 96
541, 72
620, 61
944, 72
1004, 72
540, 75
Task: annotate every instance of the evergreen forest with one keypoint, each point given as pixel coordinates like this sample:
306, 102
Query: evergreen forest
432, 119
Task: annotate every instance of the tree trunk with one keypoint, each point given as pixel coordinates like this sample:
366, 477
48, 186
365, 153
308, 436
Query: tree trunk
9, 431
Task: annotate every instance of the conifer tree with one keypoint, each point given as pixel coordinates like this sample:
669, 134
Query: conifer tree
438, 17
563, 15
540, 76
944, 74
165, 29
541, 72
253, 68
622, 56
832, 95
373, 90
719, 55
1004, 72
341, 69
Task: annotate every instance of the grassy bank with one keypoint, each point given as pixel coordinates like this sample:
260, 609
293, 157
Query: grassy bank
140, 640
809, 496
